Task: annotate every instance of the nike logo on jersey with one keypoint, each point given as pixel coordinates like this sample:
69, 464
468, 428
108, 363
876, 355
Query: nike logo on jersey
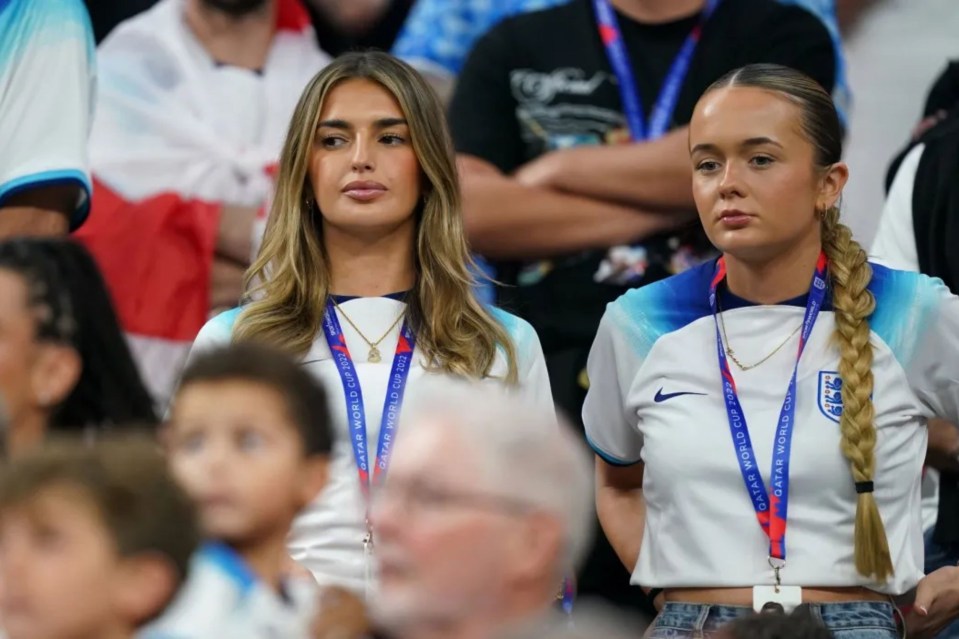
662, 397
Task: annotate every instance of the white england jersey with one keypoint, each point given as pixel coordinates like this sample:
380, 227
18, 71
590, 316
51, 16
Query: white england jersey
327, 538
655, 397
47, 85
222, 598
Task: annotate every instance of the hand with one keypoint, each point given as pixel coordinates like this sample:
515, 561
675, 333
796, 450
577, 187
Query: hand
936, 605
547, 170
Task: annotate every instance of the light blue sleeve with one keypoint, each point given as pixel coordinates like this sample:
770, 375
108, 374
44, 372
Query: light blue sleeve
530, 361
918, 318
439, 34
47, 92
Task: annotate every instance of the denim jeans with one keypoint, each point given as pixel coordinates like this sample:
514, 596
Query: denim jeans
846, 620
939, 556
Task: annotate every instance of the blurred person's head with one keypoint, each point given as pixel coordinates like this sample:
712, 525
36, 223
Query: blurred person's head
249, 440
799, 624
368, 164
94, 539
487, 504
64, 362
766, 150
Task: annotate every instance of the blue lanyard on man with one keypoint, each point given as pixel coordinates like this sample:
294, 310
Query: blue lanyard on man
771, 507
665, 105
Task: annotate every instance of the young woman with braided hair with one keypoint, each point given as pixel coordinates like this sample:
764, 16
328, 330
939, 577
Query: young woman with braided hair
780, 465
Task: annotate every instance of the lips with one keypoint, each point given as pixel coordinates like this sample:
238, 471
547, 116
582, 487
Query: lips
364, 190
734, 218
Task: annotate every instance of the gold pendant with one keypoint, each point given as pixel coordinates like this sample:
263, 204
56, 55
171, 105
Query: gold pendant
374, 355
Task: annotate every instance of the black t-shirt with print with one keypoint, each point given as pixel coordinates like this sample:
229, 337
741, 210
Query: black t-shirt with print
542, 80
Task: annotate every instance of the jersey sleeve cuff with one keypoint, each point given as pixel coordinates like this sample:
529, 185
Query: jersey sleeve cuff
609, 458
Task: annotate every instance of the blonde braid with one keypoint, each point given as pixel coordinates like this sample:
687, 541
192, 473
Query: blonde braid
853, 303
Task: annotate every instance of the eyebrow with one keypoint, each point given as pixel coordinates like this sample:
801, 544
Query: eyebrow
745, 144
381, 123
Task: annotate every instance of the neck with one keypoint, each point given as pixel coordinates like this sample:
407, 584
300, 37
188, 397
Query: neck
268, 559
26, 432
238, 41
657, 11
370, 267
784, 276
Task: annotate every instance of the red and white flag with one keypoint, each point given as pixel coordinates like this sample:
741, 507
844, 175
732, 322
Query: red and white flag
176, 136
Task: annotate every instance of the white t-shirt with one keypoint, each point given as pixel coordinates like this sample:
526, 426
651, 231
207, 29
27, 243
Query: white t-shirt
328, 537
655, 397
895, 246
47, 86
223, 598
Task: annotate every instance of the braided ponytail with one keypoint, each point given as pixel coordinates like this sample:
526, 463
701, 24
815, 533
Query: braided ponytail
853, 303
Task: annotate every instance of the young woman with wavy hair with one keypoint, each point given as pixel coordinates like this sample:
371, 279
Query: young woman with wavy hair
760, 421
363, 274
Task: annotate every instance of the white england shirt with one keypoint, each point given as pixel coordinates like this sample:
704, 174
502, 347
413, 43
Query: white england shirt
223, 598
327, 538
47, 87
655, 397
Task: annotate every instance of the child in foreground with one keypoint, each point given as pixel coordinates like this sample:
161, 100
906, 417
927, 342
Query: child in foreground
249, 441
94, 539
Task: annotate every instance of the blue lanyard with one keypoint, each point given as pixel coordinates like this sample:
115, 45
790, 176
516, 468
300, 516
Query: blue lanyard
355, 411
628, 89
771, 509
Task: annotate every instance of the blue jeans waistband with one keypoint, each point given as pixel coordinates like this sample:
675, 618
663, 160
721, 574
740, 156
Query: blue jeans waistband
852, 619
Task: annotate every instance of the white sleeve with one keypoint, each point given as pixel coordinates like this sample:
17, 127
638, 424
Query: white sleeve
895, 241
47, 86
927, 346
612, 425
216, 333
531, 365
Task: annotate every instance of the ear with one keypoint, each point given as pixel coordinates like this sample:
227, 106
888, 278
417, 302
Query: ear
831, 185
316, 470
540, 546
55, 374
144, 587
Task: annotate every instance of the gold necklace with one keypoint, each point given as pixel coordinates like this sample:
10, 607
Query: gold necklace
374, 355
729, 350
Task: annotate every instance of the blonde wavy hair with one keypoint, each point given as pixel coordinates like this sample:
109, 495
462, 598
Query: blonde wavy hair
852, 301
289, 282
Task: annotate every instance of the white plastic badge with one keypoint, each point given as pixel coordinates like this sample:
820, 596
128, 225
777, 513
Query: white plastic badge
786, 596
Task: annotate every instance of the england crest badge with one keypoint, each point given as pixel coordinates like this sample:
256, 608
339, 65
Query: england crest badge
830, 395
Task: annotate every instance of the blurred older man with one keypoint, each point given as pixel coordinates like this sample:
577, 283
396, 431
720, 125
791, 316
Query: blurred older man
487, 505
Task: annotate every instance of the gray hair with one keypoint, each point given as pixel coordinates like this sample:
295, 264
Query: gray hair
526, 452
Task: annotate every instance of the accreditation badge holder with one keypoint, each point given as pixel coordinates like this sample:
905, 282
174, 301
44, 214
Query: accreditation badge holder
776, 597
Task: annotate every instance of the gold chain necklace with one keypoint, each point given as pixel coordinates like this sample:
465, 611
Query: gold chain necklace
374, 354
729, 350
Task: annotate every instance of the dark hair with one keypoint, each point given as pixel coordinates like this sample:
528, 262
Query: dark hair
853, 303
799, 624
72, 307
125, 478
304, 396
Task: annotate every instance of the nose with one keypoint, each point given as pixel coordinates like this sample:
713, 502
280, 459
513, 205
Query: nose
362, 160
730, 185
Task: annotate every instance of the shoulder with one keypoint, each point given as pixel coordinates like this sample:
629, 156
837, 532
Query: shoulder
520, 331
645, 314
907, 304
29, 17
217, 331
